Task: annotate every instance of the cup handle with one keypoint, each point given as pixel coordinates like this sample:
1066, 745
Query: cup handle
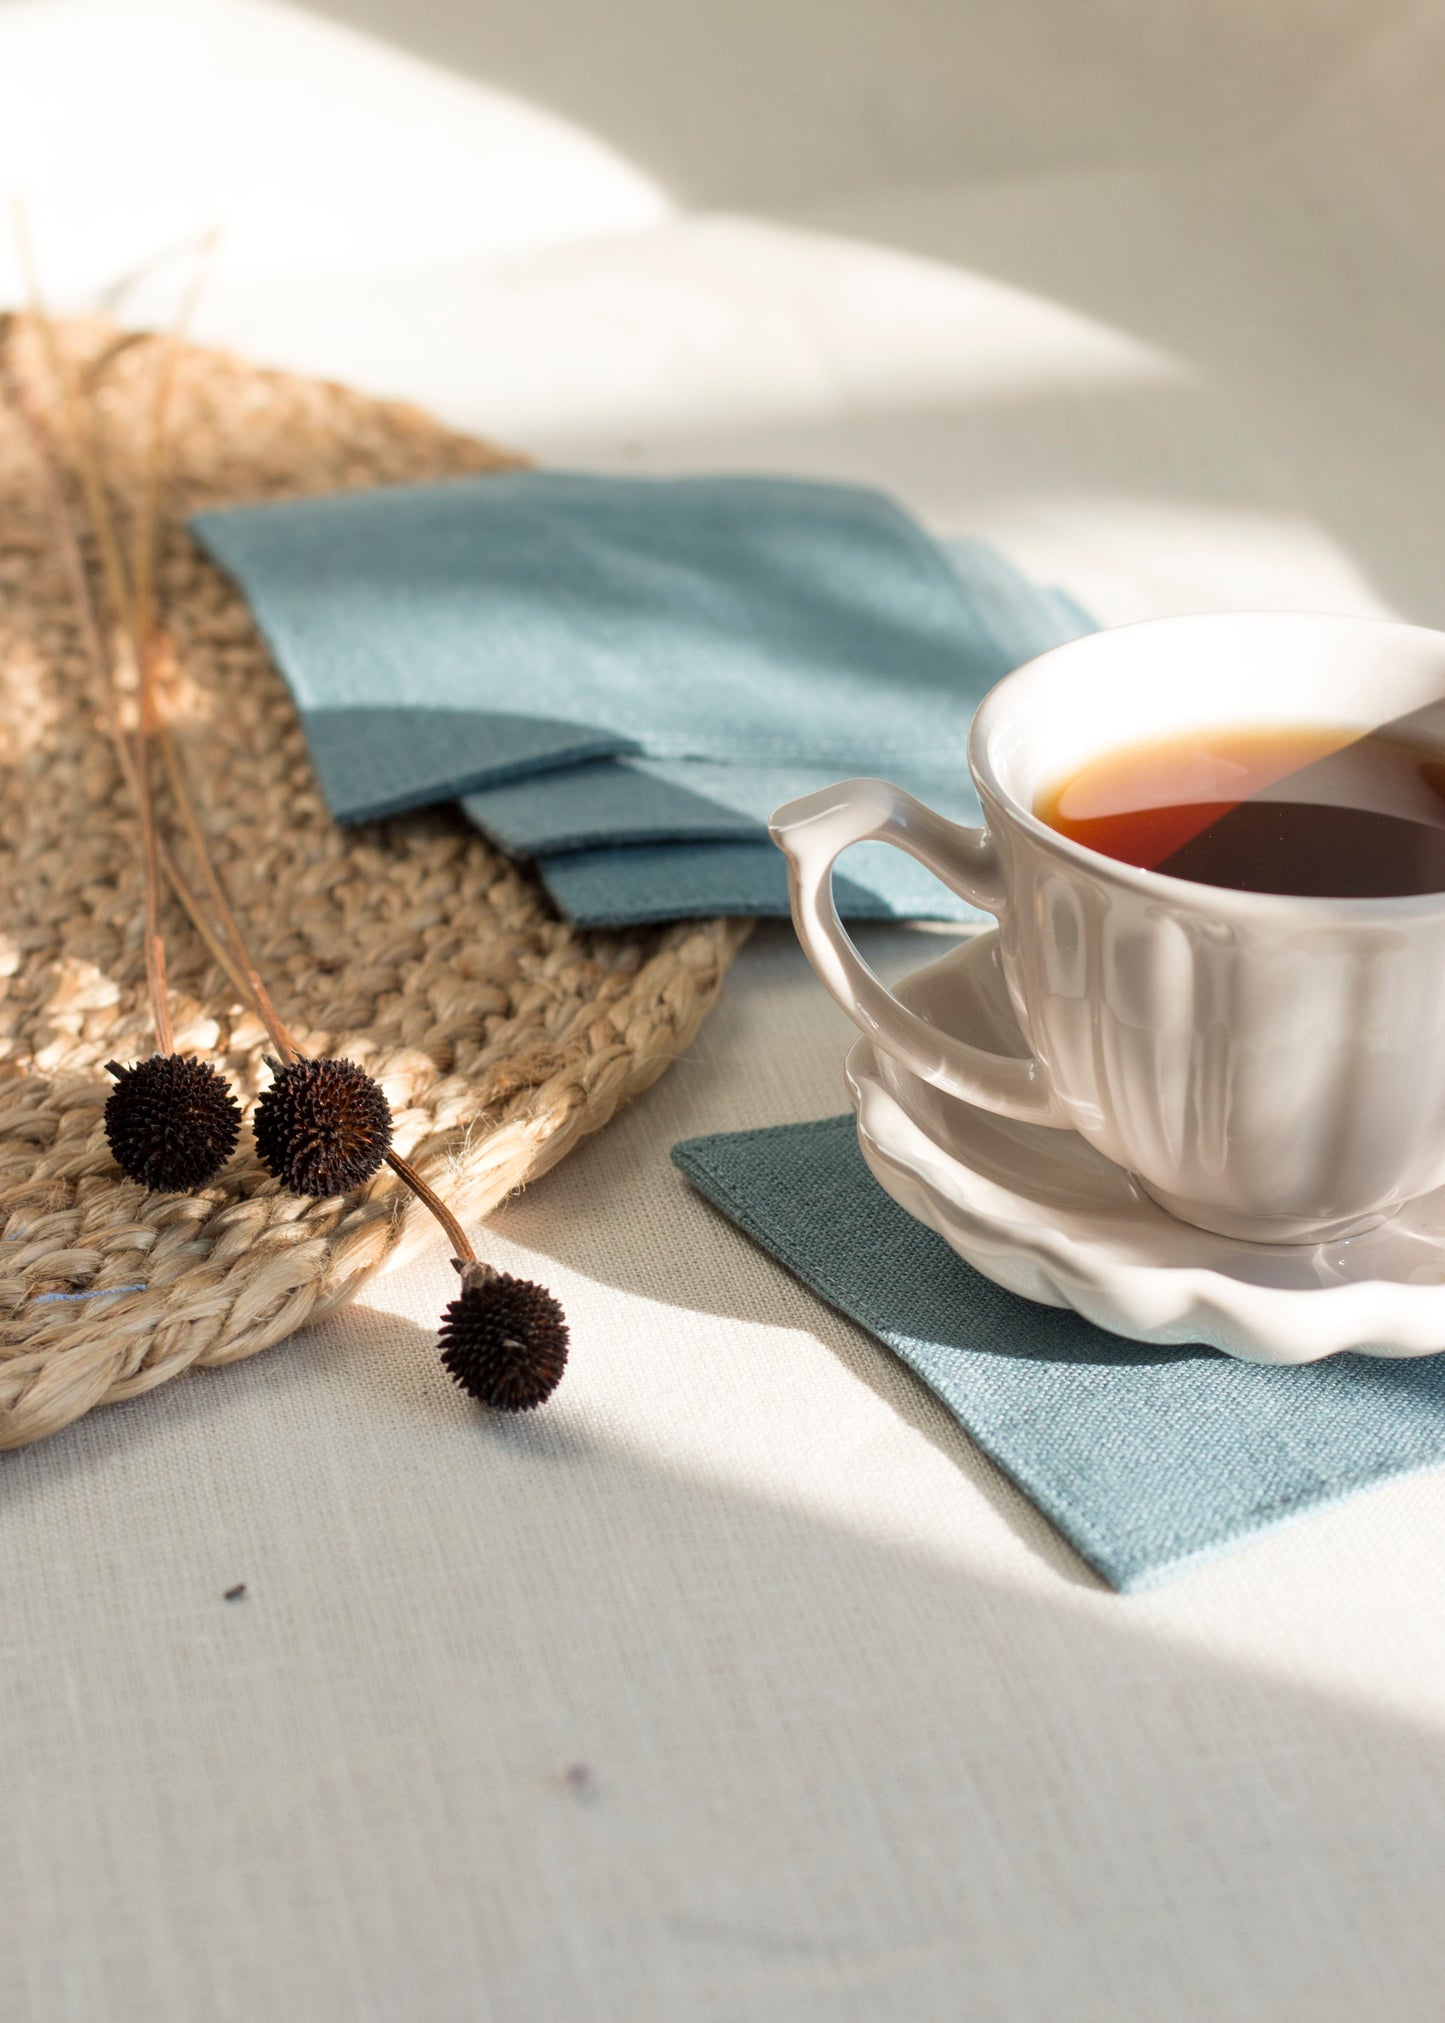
812, 833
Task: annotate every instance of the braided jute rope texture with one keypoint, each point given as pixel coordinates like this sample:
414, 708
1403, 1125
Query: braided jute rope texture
500, 1034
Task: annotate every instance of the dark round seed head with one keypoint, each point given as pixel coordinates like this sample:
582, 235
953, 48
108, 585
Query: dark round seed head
323, 1127
171, 1122
504, 1340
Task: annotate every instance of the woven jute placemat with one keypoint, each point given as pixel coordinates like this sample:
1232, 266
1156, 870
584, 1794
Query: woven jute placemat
500, 1034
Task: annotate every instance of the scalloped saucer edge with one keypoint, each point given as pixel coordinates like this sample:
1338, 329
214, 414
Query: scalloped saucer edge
1044, 1215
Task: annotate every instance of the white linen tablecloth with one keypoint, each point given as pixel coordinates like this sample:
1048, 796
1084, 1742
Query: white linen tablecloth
737, 1685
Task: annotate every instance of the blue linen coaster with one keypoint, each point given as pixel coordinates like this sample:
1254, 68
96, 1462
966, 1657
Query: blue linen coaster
636, 884
702, 617
639, 800
755, 620
619, 840
1148, 1460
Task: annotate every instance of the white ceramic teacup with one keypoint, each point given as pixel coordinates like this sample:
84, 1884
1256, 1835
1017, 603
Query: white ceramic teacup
1268, 1067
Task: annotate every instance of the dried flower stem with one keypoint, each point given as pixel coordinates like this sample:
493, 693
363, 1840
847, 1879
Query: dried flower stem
149, 649
155, 947
146, 548
460, 1242
87, 459
126, 614
252, 987
68, 541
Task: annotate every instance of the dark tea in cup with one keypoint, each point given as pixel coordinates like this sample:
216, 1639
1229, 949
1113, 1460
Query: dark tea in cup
1314, 810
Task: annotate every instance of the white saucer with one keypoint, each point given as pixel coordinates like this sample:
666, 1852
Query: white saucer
1043, 1214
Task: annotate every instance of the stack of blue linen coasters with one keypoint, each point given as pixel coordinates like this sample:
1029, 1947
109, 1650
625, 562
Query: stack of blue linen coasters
620, 678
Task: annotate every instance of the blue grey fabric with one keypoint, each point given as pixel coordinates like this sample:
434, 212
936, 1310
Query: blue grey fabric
690, 652
750, 619
643, 800
1148, 1460
638, 883
613, 801
680, 854
627, 841
624, 842
673, 800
